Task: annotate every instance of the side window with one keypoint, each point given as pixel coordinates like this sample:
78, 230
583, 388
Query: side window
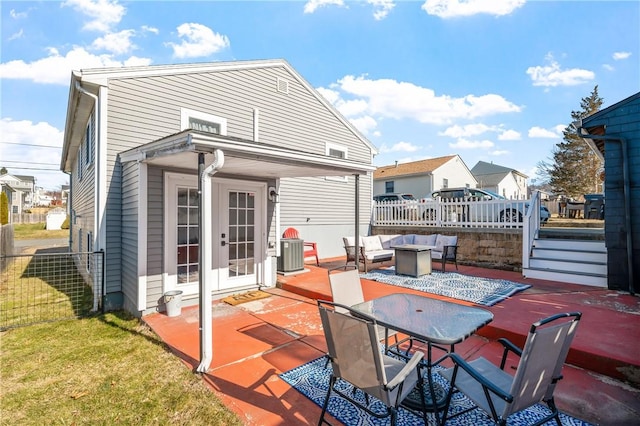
389, 186
79, 158
88, 142
336, 151
202, 121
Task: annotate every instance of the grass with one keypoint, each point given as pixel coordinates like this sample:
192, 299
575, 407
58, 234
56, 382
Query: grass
104, 370
36, 231
42, 287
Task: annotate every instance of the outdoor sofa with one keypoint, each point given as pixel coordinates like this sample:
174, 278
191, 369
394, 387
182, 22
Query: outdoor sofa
379, 248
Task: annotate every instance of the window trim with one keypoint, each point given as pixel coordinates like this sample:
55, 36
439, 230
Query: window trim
186, 113
328, 146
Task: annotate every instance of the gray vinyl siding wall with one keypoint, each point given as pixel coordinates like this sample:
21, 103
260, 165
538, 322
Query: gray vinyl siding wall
155, 236
130, 197
622, 121
141, 110
83, 201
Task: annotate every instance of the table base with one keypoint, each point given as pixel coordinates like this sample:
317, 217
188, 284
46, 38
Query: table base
413, 401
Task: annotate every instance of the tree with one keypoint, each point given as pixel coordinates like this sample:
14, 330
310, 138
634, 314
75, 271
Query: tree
3, 171
574, 167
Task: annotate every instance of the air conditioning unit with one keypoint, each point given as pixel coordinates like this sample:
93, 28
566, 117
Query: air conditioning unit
291, 255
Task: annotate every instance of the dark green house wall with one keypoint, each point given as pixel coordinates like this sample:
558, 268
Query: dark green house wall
622, 130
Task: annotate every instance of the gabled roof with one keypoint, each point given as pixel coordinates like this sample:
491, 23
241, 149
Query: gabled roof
79, 107
482, 168
26, 178
413, 168
594, 124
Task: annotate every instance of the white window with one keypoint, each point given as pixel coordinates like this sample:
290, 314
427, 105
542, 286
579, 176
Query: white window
337, 151
79, 159
88, 142
197, 120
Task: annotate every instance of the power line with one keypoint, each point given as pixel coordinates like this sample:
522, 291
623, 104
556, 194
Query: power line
30, 144
35, 168
29, 162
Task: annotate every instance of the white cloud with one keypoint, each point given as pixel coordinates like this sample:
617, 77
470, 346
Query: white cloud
617, 56
148, 29
381, 8
509, 135
105, 14
17, 35
198, 40
608, 67
401, 100
467, 144
455, 8
118, 43
18, 15
399, 147
56, 69
25, 133
365, 123
467, 130
552, 75
539, 132
312, 5
498, 153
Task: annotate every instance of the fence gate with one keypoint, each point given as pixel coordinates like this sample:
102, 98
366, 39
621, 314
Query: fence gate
49, 285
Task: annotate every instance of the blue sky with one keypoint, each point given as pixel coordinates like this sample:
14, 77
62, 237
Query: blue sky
490, 80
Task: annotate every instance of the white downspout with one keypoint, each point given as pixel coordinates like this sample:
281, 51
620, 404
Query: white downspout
206, 252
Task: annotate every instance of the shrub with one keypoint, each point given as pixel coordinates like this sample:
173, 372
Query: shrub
65, 224
4, 209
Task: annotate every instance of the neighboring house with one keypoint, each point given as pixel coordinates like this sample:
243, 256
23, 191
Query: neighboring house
243, 148
504, 181
20, 191
614, 134
28, 186
421, 178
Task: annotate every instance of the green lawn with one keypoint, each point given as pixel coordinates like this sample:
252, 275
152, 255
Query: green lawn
105, 370
33, 231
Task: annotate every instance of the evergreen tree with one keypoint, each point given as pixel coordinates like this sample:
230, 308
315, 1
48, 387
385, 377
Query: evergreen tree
574, 166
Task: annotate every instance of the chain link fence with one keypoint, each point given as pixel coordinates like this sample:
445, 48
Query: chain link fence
51, 284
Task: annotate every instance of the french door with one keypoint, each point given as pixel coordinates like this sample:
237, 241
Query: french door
240, 227
237, 233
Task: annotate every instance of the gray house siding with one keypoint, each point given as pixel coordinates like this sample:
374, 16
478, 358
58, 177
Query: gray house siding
621, 120
82, 206
155, 240
129, 268
144, 109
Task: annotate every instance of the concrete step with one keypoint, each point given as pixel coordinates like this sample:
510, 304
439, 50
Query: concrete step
597, 268
569, 244
569, 255
595, 280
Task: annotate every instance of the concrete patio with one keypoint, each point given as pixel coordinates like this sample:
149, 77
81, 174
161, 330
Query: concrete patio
256, 341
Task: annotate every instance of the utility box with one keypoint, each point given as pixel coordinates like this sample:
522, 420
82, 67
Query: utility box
291, 255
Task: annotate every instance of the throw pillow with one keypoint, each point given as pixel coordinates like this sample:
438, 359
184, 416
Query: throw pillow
371, 243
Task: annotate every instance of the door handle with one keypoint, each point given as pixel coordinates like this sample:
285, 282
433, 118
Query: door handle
223, 243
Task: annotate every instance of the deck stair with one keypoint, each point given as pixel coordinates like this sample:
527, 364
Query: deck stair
573, 255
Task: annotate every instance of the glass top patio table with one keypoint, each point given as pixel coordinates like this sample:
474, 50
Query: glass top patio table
431, 320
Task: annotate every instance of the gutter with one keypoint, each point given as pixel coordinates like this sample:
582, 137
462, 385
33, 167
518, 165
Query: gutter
627, 193
204, 253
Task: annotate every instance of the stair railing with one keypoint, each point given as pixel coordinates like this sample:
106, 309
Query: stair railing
530, 228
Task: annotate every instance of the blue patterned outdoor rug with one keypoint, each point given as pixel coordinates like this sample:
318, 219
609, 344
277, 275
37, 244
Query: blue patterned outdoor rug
483, 291
312, 380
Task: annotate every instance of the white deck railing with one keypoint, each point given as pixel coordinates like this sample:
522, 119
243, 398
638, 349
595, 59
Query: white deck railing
530, 228
452, 213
